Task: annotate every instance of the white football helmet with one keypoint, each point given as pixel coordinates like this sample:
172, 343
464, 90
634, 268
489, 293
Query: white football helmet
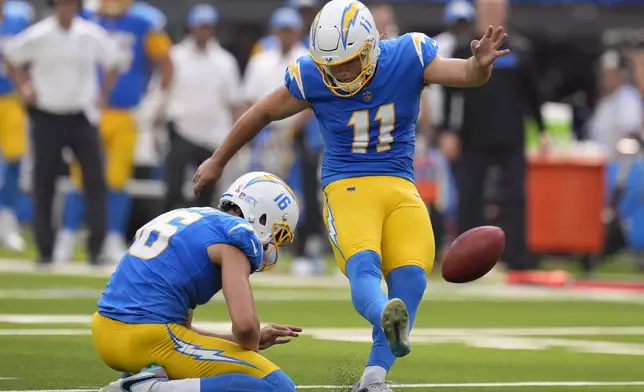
342, 31
269, 205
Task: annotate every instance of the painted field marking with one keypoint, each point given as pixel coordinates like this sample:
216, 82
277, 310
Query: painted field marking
529, 384
45, 332
225, 326
439, 293
495, 385
482, 338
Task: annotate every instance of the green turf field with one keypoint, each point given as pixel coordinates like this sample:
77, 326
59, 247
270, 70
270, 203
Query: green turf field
478, 337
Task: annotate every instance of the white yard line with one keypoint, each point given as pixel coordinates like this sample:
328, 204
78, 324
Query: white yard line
220, 325
262, 294
438, 292
496, 385
223, 326
45, 332
538, 384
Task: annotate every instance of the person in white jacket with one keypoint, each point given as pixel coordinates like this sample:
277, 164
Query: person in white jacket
202, 103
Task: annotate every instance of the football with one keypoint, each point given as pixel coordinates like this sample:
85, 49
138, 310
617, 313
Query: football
473, 254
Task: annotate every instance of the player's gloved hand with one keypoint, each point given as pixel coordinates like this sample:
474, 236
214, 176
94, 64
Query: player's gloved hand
209, 172
486, 50
273, 334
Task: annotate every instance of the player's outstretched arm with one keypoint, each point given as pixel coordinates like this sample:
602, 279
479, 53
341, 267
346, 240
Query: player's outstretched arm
235, 273
225, 336
278, 105
474, 71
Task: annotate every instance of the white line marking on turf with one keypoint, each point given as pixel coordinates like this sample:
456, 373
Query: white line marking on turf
45, 332
7, 378
496, 385
45, 319
225, 326
462, 385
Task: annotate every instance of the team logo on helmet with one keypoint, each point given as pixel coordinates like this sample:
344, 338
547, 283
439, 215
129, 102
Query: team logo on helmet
349, 18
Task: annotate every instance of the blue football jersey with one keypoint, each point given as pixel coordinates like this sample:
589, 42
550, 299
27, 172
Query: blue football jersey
373, 132
167, 270
131, 32
17, 16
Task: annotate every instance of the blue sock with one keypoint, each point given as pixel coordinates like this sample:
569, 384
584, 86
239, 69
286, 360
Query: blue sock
9, 190
73, 211
118, 209
365, 275
277, 381
407, 283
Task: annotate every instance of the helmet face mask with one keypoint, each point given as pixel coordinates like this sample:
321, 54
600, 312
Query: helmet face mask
343, 31
367, 70
269, 205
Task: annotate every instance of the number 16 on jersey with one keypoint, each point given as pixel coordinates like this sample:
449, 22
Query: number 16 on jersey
361, 124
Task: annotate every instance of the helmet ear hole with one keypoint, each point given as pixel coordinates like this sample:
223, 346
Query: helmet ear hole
262, 220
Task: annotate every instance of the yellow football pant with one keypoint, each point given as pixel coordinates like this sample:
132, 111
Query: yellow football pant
13, 128
118, 133
180, 351
382, 214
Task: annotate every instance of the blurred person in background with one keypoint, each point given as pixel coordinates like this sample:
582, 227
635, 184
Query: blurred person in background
458, 17
619, 111
307, 10
618, 116
203, 102
54, 64
142, 43
304, 176
264, 73
304, 169
15, 16
491, 134
385, 18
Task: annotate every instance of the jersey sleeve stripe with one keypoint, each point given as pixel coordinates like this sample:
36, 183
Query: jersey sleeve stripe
418, 39
294, 72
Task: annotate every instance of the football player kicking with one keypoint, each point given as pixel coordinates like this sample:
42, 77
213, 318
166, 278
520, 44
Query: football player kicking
180, 260
365, 94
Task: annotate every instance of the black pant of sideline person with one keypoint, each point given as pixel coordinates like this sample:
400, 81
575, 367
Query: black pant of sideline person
473, 167
50, 133
310, 182
183, 153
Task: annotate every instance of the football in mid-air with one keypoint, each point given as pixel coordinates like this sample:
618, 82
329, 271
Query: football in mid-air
473, 254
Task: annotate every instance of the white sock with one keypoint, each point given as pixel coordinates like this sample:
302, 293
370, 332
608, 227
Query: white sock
187, 385
373, 374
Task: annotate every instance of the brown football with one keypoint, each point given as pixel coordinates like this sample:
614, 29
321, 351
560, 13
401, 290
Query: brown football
473, 254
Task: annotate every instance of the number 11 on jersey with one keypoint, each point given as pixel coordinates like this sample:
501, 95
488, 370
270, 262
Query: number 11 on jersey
361, 124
